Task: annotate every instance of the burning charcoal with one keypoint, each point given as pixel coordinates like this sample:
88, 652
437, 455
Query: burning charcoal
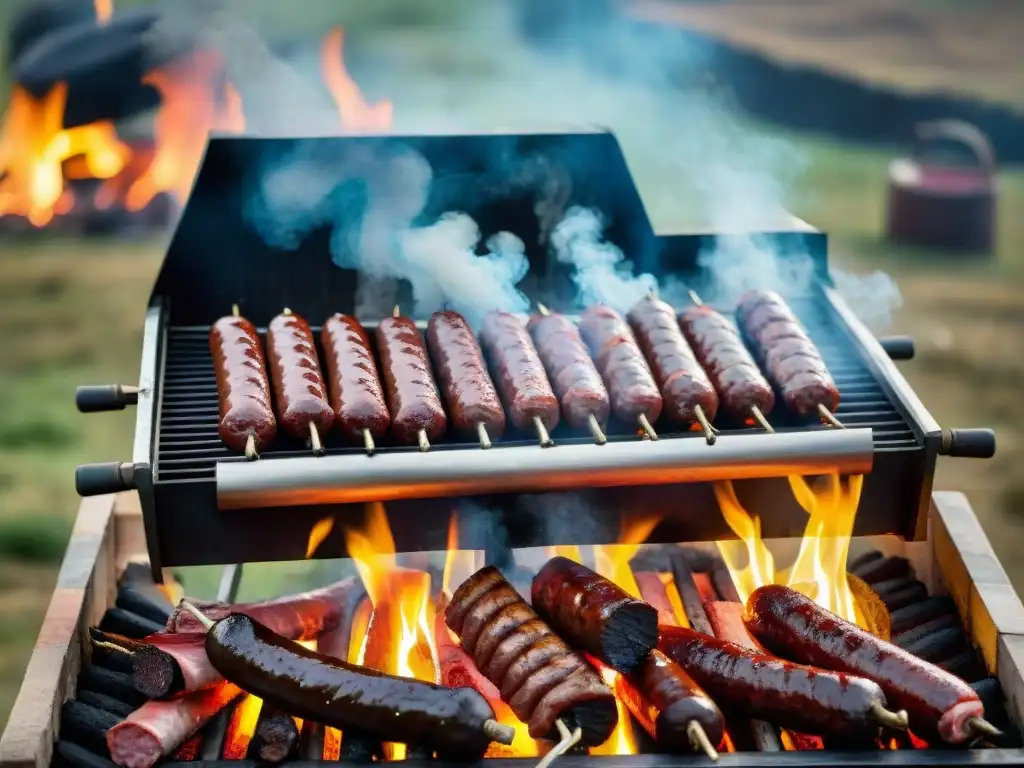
122, 622
106, 703
359, 749
215, 732
133, 601
693, 604
69, 755
901, 595
863, 560
32, 21
921, 631
115, 684
311, 741
276, 736
87, 725
918, 613
885, 569
939, 645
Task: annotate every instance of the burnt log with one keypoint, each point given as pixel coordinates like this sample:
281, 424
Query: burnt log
87, 726
276, 736
131, 599
907, 639
121, 622
114, 684
104, 702
70, 755
919, 613
215, 733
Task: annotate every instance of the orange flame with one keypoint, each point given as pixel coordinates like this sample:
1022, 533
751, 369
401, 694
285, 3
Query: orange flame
242, 727
819, 570
104, 10
320, 531
355, 113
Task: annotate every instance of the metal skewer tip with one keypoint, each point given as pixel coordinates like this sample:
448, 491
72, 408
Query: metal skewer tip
760, 419
314, 440
697, 302
544, 311
982, 727
235, 311
250, 447
888, 719
542, 433
829, 418
645, 425
699, 739
595, 430
481, 432
499, 732
200, 616
286, 311
710, 433
396, 312
568, 741
368, 442
421, 438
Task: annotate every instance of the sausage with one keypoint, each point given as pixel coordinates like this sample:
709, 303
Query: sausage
457, 722
165, 664
539, 676
762, 687
576, 382
721, 352
519, 372
468, 389
299, 390
794, 626
243, 391
415, 405
622, 365
594, 614
666, 702
357, 396
157, 728
684, 385
790, 359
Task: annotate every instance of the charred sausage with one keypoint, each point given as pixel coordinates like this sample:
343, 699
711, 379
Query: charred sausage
473, 403
455, 721
594, 614
789, 695
357, 396
791, 360
540, 677
578, 385
519, 373
416, 412
634, 395
685, 389
794, 626
247, 420
721, 352
667, 702
299, 390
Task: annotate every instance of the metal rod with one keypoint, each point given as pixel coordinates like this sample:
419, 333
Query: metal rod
709, 431
230, 579
595, 430
314, 440
250, 447
390, 476
542, 433
396, 312
759, 417
544, 311
645, 425
695, 298
235, 310
481, 432
421, 438
286, 312
693, 605
829, 418
368, 442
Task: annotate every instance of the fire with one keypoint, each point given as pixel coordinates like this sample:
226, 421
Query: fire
242, 727
104, 10
320, 531
819, 570
353, 110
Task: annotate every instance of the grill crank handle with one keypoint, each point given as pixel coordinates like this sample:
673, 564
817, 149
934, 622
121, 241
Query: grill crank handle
106, 397
101, 479
898, 347
968, 443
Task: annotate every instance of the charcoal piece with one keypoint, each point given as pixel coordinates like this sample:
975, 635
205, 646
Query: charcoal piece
885, 569
155, 673
276, 737
417, 752
131, 625
918, 613
311, 741
87, 726
108, 703
990, 693
34, 20
860, 561
722, 581
114, 684
139, 576
356, 748
911, 636
133, 601
112, 656
70, 755
682, 575
964, 665
215, 733
939, 645
913, 592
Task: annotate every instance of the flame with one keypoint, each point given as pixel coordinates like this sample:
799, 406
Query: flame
459, 564
568, 551
355, 113
674, 600
320, 531
819, 570
242, 727
104, 10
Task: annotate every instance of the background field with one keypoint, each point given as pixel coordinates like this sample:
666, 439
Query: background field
71, 311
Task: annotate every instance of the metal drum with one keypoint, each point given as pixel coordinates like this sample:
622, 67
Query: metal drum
944, 194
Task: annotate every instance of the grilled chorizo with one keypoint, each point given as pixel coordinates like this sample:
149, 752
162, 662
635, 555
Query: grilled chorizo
540, 677
467, 386
299, 390
357, 396
243, 391
415, 405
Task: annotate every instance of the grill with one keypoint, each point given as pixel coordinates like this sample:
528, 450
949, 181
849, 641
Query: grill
203, 505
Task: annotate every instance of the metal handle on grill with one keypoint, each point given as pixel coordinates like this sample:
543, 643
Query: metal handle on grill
105, 397
898, 347
968, 443
100, 479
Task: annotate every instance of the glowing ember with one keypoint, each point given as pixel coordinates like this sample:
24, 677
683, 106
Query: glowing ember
320, 531
242, 727
355, 113
104, 10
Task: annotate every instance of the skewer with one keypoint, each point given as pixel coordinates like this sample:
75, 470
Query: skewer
250, 447
761, 420
368, 442
710, 433
481, 431
645, 425
895, 720
544, 311
699, 739
542, 433
235, 311
568, 742
697, 302
421, 438
395, 312
595, 430
314, 440
829, 418
286, 311
982, 727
